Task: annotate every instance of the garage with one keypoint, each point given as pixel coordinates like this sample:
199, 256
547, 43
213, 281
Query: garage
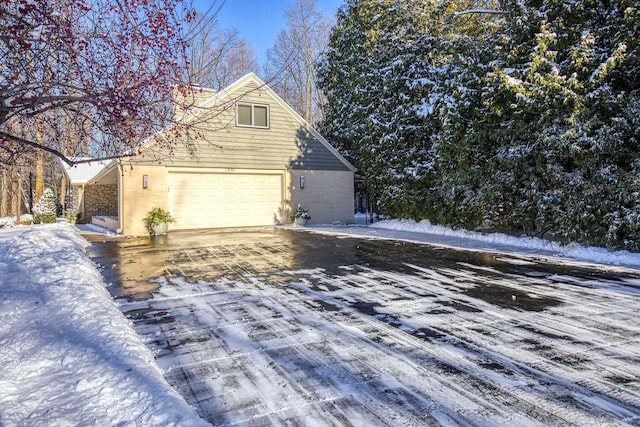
216, 200
231, 171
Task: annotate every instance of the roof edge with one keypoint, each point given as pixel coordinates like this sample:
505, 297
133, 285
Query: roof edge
253, 77
87, 171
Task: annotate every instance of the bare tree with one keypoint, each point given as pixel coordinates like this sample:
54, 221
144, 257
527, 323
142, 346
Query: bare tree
292, 60
218, 57
107, 63
14, 190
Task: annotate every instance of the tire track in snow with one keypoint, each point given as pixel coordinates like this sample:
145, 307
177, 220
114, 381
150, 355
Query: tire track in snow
329, 368
419, 345
485, 379
587, 387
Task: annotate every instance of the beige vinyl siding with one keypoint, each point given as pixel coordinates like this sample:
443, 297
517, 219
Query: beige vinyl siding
222, 144
328, 195
219, 174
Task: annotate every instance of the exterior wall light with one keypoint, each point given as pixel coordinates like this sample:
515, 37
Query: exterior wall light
145, 181
301, 181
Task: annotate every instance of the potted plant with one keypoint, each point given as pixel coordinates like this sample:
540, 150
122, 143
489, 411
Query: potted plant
71, 215
157, 221
301, 216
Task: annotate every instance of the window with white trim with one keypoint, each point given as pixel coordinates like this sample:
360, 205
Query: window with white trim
252, 115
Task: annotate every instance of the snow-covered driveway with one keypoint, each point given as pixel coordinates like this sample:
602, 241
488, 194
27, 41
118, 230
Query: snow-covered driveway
286, 327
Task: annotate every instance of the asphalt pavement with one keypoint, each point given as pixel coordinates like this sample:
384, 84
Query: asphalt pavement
281, 326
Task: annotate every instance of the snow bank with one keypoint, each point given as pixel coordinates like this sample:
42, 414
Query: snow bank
95, 229
10, 221
574, 251
68, 355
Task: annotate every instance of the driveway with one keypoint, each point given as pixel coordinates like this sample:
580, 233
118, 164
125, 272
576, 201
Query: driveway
288, 327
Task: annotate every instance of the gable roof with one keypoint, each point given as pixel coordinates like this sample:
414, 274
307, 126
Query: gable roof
252, 78
199, 110
83, 173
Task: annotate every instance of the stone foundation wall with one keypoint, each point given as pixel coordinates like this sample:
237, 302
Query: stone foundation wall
100, 200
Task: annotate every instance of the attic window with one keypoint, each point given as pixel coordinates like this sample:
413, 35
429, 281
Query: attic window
252, 115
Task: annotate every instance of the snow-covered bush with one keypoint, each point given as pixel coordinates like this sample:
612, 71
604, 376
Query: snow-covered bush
44, 211
6, 222
25, 219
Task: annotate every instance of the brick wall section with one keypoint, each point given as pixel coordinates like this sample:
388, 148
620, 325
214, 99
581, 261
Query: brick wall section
100, 200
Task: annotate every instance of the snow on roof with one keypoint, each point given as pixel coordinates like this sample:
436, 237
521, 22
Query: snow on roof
82, 173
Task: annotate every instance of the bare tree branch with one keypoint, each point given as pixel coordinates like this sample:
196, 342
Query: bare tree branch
38, 146
292, 59
100, 68
218, 57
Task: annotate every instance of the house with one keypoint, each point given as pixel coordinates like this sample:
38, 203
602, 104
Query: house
247, 159
90, 194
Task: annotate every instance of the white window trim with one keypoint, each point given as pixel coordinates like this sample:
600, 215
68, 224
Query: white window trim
251, 104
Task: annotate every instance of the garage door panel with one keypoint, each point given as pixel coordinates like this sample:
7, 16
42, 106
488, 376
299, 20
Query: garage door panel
211, 200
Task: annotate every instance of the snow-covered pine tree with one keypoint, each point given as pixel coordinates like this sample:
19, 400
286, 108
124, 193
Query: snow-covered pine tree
345, 75
558, 116
44, 210
389, 76
460, 196
396, 143
521, 114
348, 75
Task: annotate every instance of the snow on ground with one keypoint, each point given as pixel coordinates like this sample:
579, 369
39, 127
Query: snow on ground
288, 327
68, 355
11, 221
425, 232
92, 229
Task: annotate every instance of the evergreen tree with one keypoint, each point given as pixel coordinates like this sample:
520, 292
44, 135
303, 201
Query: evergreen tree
388, 78
44, 210
517, 114
559, 125
460, 196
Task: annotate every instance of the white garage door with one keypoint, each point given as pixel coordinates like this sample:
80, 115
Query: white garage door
211, 200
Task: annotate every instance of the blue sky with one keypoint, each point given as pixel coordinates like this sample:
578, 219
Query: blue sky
258, 21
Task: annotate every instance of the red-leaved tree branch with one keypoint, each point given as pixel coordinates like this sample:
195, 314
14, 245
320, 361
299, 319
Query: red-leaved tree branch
98, 71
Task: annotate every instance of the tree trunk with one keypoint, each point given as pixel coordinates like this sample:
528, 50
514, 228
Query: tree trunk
308, 89
4, 195
19, 195
15, 202
39, 165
